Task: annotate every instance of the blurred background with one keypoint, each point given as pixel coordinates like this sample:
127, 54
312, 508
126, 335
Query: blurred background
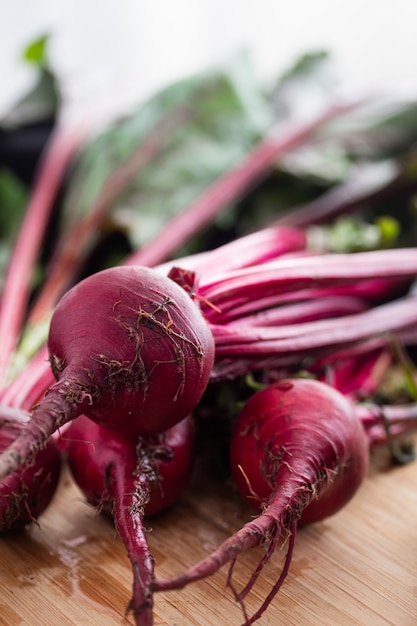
130, 48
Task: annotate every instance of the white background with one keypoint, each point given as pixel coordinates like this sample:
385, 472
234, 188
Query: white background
129, 48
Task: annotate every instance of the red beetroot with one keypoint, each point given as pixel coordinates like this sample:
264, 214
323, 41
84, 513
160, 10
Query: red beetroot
130, 349
298, 453
24, 495
128, 478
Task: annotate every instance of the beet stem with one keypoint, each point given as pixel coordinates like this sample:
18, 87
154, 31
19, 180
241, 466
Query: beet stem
367, 184
302, 338
59, 152
230, 186
286, 275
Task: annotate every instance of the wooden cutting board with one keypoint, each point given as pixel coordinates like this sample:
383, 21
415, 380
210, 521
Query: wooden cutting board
357, 568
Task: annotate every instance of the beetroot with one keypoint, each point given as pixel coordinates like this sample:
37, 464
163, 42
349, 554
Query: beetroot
25, 494
298, 453
128, 478
130, 349
316, 424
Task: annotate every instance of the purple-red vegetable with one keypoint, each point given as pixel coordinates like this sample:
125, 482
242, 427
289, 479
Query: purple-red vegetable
130, 349
25, 494
298, 453
129, 478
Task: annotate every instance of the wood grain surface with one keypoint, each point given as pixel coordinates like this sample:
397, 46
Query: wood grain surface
357, 568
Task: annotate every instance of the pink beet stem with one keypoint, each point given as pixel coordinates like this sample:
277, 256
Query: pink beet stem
373, 414
229, 187
384, 422
298, 312
55, 160
283, 275
301, 338
241, 349
365, 185
369, 290
253, 249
